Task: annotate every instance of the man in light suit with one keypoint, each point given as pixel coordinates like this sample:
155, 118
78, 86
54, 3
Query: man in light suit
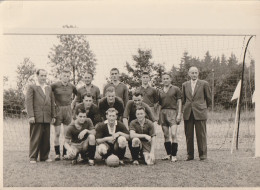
41, 112
196, 100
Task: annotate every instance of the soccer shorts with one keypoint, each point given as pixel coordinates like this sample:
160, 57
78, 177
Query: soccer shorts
146, 146
79, 147
64, 115
167, 117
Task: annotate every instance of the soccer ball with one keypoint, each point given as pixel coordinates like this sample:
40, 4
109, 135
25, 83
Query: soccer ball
112, 161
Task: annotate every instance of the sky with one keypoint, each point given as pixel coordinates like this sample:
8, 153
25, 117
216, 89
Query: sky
145, 17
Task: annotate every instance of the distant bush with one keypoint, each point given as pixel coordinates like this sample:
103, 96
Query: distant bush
13, 103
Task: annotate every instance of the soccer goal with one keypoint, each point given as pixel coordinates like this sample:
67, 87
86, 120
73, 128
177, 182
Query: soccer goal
219, 58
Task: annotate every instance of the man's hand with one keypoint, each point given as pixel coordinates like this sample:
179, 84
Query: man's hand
111, 139
31, 120
178, 119
147, 137
115, 135
82, 134
53, 120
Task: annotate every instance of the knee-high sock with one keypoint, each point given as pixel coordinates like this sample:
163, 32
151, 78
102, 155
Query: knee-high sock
57, 149
168, 147
64, 151
174, 149
91, 151
121, 153
135, 152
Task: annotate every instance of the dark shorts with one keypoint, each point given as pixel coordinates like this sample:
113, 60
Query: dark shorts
64, 115
111, 147
167, 117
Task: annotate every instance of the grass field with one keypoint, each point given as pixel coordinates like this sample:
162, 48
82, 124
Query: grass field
221, 170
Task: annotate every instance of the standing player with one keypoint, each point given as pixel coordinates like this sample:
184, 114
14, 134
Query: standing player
120, 88
92, 110
150, 94
88, 88
142, 133
196, 100
111, 101
112, 136
41, 112
62, 91
80, 138
170, 115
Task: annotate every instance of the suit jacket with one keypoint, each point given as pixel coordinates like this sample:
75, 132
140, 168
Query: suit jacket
39, 105
198, 102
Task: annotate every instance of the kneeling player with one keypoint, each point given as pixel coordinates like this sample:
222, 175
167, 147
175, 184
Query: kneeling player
80, 138
112, 136
142, 133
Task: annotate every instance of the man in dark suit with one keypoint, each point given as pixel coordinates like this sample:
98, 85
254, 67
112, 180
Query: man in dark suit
41, 112
196, 100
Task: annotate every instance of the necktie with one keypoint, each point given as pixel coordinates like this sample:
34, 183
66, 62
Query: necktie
193, 87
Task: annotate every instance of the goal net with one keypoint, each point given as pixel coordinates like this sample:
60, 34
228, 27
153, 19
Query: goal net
218, 57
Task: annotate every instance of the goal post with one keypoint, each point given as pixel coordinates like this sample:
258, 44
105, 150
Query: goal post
115, 47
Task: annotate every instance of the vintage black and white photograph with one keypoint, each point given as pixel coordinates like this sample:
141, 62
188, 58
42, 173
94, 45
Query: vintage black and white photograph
130, 94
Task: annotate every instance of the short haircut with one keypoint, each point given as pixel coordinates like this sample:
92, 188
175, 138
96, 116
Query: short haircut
137, 93
66, 70
140, 108
111, 110
88, 72
110, 89
39, 70
145, 73
114, 69
88, 95
79, 110
167, 73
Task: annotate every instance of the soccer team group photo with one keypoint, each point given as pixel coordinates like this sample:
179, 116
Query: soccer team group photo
108, 125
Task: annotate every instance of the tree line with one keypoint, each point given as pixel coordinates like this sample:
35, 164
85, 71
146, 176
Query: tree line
73, 51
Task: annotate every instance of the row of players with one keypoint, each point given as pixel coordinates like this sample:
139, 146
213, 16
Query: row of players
116, 96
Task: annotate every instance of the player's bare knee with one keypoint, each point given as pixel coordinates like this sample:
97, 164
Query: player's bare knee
92, 139
122, 142
166, 137
136, 142
102, 149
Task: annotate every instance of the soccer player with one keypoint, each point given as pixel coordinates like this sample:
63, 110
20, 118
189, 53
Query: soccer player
196, 100
150, 94
63, 91
142, 133
88, 88
92, 110
120, 88
40, 108
80, 138
111, 101
170, 115
130, 110
112, 136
